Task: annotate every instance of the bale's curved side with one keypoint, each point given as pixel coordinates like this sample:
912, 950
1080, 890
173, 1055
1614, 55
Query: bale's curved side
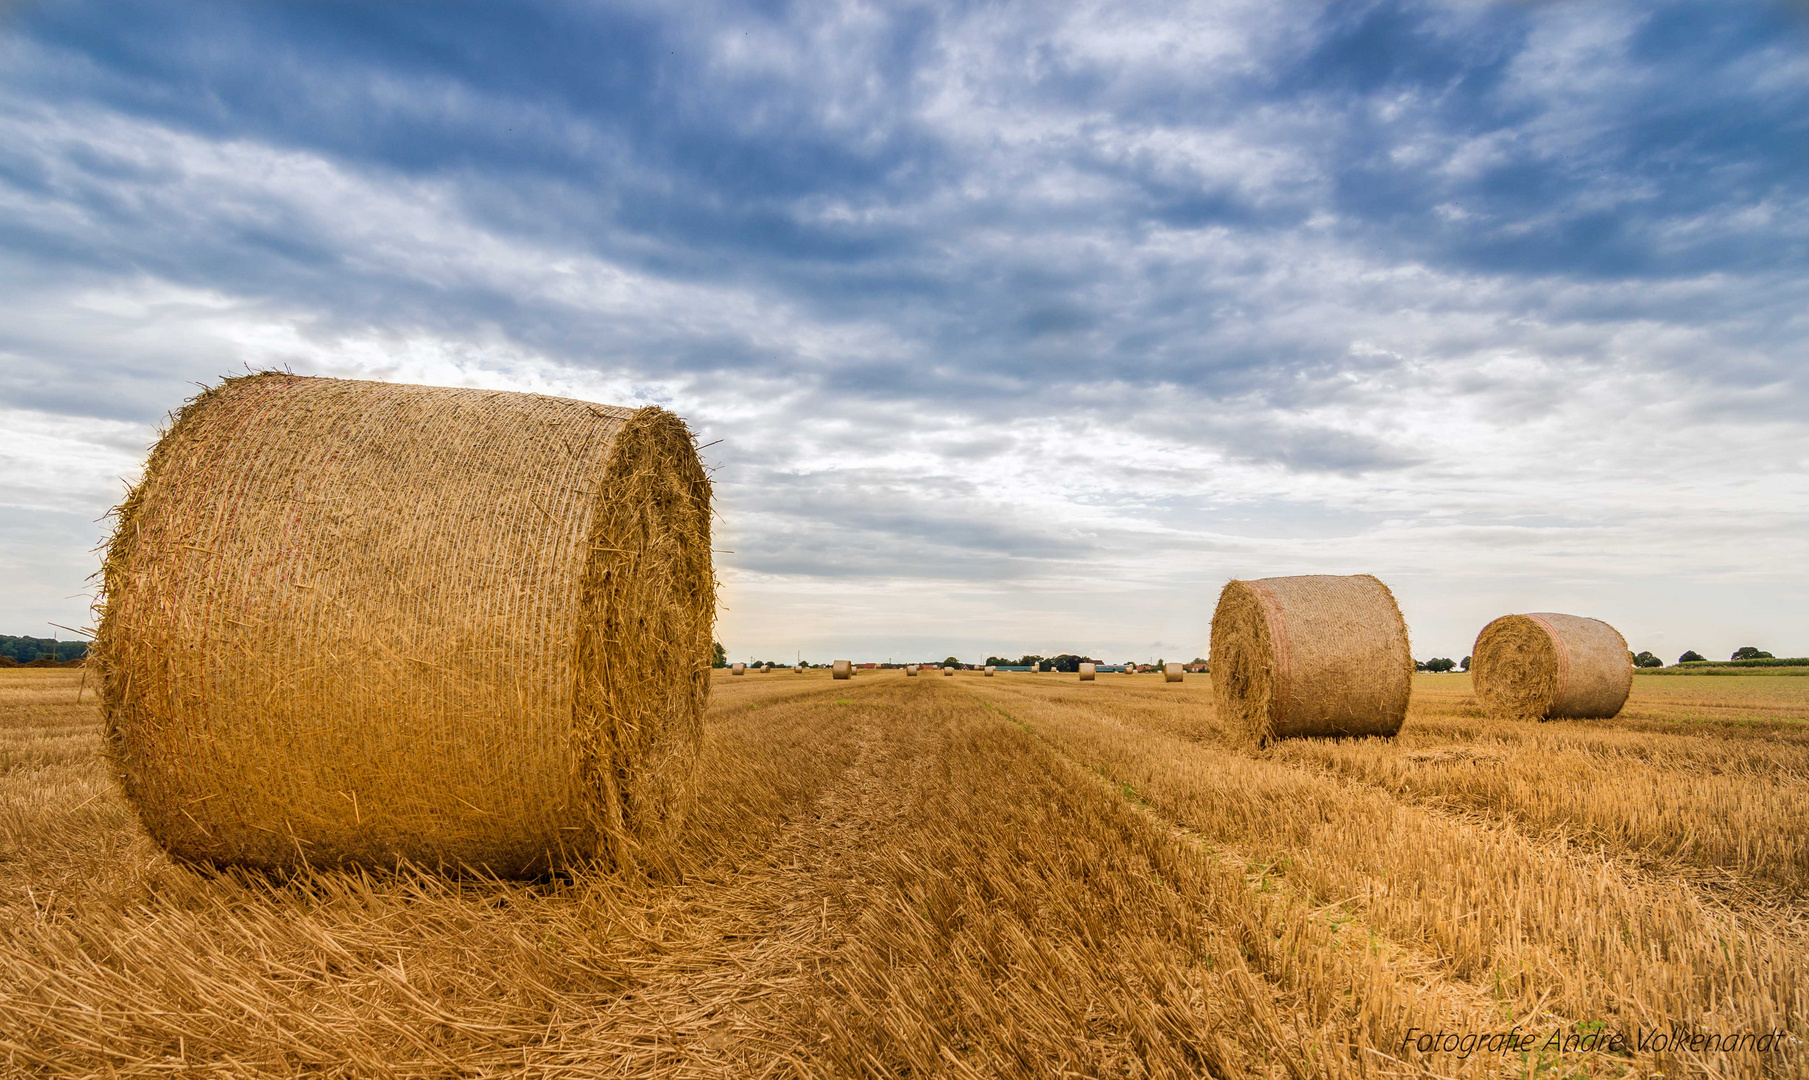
738, 669
1311, 655
948, 671
1551, 666
1173, 673
842, 669
1087, 673
910, 669
361, 623
989, 670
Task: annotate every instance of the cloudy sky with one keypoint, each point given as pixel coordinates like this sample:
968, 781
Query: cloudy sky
1023, 326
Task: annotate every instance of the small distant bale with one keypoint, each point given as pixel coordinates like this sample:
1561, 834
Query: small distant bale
766, 669
1547, 666
1173, 672
1317, 655
910, 669
358, 624
1088, 673
737, 669
989, 670
842, 669
799, 669
948, 671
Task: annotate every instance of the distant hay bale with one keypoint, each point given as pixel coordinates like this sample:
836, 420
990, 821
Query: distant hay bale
989, 671
738, 669
1313, 655
1087, 672
1173, 673
1549, 666
766, 669
948, 671
842, 669
910, 669
799, 669
357, 623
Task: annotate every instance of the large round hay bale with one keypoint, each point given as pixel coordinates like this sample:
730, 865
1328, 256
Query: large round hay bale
910, 669
1173, 673
1550, 666
1087, 673
989, 670
948, 671
362, 623
738, 668
1313, 655
799, 669
842, 669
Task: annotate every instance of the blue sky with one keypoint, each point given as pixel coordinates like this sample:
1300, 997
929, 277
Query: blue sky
1024, 327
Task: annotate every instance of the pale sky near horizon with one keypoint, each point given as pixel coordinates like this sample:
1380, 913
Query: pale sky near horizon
1023, 327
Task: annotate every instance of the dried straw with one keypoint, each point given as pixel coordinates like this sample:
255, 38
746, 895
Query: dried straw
1173, 673
948, 671
1313, 655
842, 669
360, 623
910, 669
1545, 665
737, 669
989, 671
1087, 673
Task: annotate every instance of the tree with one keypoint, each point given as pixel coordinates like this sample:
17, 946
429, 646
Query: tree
1440, 664
1646, 659
1691, 656
1747, 652
718, 658
951, 662
1466, 664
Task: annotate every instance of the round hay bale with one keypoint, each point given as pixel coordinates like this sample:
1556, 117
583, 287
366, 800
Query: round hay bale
1550, 666
948, 671
989, 671
1173, 673
842, 669
357, 623
910, 669
1087, 673
799, 669
1313, 655
766, 669
737, 669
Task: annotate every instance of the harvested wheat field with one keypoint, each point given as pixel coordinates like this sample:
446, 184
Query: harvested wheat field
982, 877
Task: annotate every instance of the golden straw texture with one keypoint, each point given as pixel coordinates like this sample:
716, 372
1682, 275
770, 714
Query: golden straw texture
737, 669
1312, 655
1546, 665
842, 669
1087, 673
363, 623
910, 669
1173, 673
948, 671
989, 670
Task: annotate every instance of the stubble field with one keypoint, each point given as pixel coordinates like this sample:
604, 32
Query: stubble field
1012, 876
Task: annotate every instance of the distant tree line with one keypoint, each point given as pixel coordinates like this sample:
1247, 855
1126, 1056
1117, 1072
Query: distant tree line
23, 650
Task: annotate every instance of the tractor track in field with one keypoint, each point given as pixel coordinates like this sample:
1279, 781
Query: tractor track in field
728, 1001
